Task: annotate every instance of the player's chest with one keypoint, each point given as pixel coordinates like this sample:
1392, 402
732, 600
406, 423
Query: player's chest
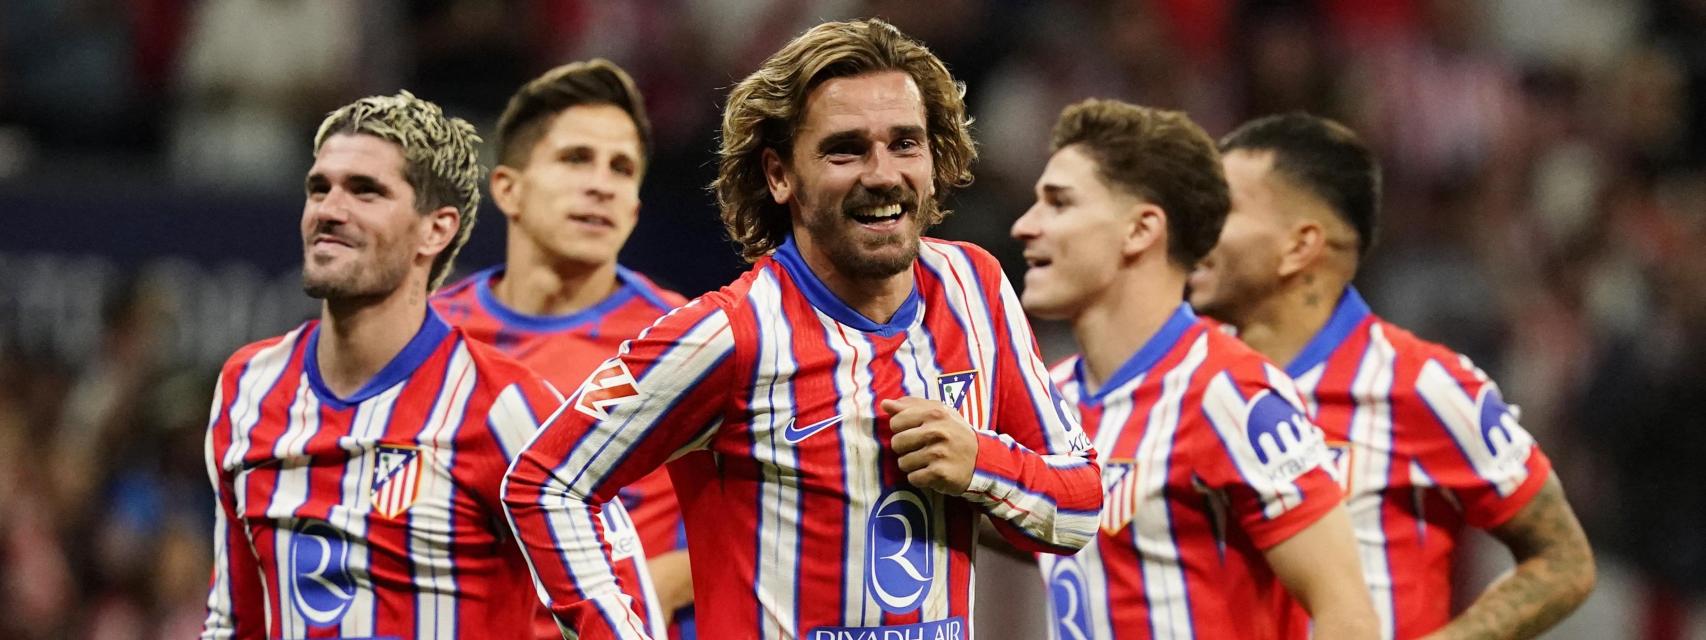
358, 462
816, 413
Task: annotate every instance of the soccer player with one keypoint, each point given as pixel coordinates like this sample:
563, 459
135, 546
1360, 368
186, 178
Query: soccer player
572, 147
839, 417
357, 459
1424, 441
1217, 487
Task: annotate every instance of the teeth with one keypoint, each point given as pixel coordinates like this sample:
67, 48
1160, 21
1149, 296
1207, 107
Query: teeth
888, 211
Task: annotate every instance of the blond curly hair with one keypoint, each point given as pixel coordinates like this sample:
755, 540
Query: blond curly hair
765, 111
440, 158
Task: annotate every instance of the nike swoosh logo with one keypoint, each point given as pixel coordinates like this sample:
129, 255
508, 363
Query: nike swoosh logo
794, 436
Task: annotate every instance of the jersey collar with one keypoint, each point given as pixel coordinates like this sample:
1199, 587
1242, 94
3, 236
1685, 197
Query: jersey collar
628, 286
1346, 316
819, 295
1146, 357
414, 354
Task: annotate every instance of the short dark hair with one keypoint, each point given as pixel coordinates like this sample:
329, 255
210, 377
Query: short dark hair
1160, 156
592, 82
1323, 157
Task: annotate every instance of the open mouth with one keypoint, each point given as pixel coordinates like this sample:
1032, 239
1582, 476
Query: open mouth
1037, 262
878, 215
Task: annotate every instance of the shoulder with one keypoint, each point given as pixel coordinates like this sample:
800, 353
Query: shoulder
1423, 362
648, 289
939, 255
276, 348
1246, 372
496, 371
462, 288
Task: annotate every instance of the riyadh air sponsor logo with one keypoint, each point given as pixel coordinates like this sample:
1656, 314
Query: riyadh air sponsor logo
794, 435
953, 628
1069, 593
612, 384
320, 584
900, 559
1285, 442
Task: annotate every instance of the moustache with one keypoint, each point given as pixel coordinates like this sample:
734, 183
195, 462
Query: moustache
865, 198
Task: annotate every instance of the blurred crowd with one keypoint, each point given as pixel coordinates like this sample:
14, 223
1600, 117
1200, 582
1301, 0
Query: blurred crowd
1545, 212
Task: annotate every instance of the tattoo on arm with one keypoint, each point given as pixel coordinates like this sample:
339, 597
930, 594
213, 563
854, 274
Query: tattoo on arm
1554, 573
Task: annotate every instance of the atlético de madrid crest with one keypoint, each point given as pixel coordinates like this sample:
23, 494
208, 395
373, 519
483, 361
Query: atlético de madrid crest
396, 479
964, 392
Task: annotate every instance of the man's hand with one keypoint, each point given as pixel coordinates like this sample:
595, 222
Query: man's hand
937, 448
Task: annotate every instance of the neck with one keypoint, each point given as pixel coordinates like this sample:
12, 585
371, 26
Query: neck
358, 337
1112, 329
875, 298
1281, 325
536, 286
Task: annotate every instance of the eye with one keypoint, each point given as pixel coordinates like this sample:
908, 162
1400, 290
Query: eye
625, 167
907, 146
577, 155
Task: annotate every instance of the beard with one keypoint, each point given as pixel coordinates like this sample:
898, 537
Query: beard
1237, 289
859, 254
369, 276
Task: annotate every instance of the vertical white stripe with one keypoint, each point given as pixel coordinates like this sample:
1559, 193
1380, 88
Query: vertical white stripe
920, 372
1371, 467
773, 411
432, 517
1116, 414
861, 453
352, 512
1163, 574
290, 494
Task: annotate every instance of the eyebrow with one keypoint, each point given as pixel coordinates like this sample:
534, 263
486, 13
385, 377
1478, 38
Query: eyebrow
857, 135
353, 181
1056, 190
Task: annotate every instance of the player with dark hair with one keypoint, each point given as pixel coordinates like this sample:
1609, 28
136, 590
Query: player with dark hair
1217, 488
357, 460
837, 419
572, 150
1423, 439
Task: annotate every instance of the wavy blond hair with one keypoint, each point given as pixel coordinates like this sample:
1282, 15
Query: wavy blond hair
440, 158
764, 112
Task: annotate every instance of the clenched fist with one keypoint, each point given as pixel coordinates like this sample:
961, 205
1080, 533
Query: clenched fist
937, 448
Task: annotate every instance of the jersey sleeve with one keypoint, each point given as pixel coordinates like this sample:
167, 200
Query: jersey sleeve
1035, 474
1468, 441
663, 394
236, 606
1264, 456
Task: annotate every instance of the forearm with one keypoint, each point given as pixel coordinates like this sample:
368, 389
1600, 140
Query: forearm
566, 548
672, 580
1539, 593
1553, 575
1039, 503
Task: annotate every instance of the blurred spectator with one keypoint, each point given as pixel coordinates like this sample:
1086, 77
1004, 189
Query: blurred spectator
255, 76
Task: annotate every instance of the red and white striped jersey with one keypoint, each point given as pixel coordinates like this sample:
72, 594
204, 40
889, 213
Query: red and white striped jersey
564, 350
799, 522
1208, 460
378, 514
1424, 444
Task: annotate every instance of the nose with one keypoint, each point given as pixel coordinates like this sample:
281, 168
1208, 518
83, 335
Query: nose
331, 208
602, 186
882, 170
1025, 227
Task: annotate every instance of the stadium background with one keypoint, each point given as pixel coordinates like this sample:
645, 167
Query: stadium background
1546, 214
